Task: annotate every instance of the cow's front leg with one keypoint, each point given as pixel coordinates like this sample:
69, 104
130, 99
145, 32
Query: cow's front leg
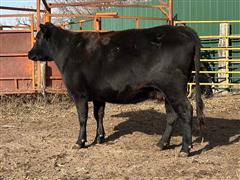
99, 114
82, 109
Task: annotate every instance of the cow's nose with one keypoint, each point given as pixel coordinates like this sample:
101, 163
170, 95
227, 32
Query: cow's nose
30, 55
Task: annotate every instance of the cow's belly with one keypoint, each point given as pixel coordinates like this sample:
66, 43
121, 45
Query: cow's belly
129, 96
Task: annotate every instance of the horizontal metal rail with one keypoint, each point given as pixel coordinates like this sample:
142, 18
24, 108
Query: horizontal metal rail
20, 27
219, 37
218, 72
55, 77
220, 48
104, 16
53, 5
14, 31
206, 22
19, 9
90, 30
15, 15
220, 60
13, 55
5, 92
216, 84
15, 78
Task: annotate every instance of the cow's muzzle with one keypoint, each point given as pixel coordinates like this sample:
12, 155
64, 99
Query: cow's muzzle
31, 56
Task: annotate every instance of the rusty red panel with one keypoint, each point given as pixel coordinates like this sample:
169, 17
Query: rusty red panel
24, 85
16, 71
15, 42
15, 67
15, 74
53, 78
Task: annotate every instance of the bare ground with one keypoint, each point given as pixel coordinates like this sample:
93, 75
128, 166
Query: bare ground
36, 140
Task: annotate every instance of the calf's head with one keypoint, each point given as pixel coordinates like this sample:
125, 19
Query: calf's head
41, 50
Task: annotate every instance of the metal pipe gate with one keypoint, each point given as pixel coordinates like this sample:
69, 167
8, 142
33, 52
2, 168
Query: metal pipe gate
224, 72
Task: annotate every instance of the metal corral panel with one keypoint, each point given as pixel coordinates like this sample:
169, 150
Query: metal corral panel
53, 78
182, 10
16, 71
15, 42
120, 24
195, 10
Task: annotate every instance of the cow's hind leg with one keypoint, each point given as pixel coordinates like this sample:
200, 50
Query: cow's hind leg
99, 114
181, 105
171, 119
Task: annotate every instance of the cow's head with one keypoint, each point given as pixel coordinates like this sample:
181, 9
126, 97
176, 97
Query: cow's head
41, 50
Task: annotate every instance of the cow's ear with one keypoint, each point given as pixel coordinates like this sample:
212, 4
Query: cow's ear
45, 28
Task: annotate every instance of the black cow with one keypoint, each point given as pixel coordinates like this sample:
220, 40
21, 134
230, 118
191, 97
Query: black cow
125, 67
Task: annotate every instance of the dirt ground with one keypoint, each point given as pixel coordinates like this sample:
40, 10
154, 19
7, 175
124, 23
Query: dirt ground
37, 136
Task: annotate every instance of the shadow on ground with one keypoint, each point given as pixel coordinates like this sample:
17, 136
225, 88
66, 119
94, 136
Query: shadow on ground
218, 132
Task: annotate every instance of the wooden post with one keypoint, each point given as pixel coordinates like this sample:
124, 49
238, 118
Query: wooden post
223, 66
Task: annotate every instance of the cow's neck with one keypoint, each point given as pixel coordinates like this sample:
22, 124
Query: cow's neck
59, 41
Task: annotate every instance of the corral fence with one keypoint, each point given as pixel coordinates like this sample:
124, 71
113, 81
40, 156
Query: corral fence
19, 75
221, 51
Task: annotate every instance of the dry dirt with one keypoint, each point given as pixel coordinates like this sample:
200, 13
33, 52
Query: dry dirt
36, 140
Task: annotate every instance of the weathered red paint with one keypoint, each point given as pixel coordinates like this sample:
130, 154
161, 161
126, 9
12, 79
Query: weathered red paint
16, 71
53, 78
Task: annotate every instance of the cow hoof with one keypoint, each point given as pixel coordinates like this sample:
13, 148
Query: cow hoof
164, 146
183, 154
79, 144
100, 139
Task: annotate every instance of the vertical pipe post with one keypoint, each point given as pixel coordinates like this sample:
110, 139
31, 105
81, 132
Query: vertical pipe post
37, 66
170, 12
38, 3
32, 42
137, 23
97, 23
227, 51
43, 65
80, 24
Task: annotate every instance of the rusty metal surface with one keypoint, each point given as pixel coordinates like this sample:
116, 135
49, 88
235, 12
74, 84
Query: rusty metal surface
15, 42
53, 78
16, 70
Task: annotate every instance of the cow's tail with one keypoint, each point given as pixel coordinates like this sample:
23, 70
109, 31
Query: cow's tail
199, 101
